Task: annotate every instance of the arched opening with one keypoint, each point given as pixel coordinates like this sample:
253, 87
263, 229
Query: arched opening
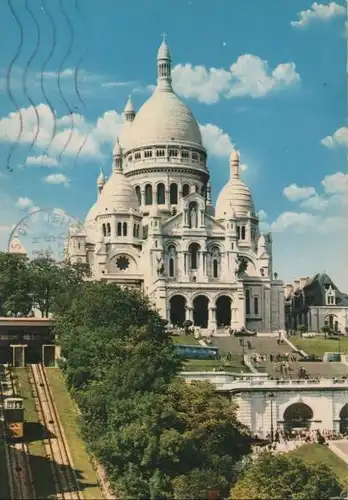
161, 197
125, 229
171, 260
298, 416
171, 267
104, 229
177, 310
256, 305
148, 194
108, 229
215, 259
215, 268
243, 232
194, 255
185, 190
344, 419
119, 229
223, 311
200, 311
193, 214
247, 301
138, 194
173, 194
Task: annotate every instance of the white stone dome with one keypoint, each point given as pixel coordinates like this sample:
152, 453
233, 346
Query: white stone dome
118, 194
235, 194
163, 118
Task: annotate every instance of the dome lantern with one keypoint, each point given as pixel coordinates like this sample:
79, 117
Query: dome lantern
129, 111
117, 154
164, 77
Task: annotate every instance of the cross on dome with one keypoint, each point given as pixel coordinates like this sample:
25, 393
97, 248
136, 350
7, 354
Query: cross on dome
164, 36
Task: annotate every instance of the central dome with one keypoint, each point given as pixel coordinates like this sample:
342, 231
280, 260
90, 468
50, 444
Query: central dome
163, 118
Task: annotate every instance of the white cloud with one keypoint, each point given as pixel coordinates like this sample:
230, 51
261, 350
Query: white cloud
339, 138
262, 215
215, 140
300, 221
243, 167
46, 161
315, 202
318, 12
248, 76
336, 183
296, 193
24, 202
73, 134
57, 179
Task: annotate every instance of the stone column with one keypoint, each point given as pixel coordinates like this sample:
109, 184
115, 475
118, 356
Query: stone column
143, 197
212, 318
186, 218
189, 313
202, 218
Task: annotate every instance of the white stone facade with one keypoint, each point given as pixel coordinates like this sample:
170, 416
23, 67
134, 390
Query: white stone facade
153, 225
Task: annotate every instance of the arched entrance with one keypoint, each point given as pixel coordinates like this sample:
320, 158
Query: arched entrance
223, 311
200, 311
344, 419
298, 416
177, 310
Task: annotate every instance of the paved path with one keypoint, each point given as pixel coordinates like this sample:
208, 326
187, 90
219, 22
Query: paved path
340, 448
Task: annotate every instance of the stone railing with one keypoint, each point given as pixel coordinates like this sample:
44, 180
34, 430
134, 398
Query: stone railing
232, 381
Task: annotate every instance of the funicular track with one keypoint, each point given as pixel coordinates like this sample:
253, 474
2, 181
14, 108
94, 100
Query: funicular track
17, 453
64, 477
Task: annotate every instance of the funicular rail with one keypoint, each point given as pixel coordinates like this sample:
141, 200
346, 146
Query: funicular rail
54, 441
17, 453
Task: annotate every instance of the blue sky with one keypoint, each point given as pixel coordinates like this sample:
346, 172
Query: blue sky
290, 128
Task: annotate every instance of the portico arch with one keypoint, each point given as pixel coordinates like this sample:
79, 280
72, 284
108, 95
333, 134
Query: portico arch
177, 310
298, 415
344, 419
200, 311
223, 311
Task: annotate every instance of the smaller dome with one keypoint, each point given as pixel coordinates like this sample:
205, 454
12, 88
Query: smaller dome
101, 178
129, 108
117, 149
230, 213
262, 241
91, 214
118, 194
163, 51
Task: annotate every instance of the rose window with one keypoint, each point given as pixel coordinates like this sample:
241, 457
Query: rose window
122, 263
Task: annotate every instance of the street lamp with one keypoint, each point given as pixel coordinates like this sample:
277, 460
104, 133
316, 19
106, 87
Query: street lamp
271, 397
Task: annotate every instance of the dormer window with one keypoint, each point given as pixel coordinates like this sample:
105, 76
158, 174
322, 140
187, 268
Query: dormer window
148, 153
185, 153
330, 300
173, 153
160, 152
137, 156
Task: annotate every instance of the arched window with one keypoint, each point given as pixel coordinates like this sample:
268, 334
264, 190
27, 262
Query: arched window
256, 305
171, 252
161, 197
138, 194
194, 255
104, 229
196, 188
185, 190
238, 232
247, 301
243, 232
137, 231
215, 268
108, 232
173, 194
148, 194
134, 230
331, 322
193, 214
171, 267
125, 229
119, 229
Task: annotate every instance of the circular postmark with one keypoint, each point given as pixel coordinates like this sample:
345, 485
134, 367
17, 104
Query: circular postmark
44, 233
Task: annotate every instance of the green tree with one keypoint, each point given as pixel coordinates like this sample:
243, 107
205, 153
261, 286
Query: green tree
286, 477
15, 286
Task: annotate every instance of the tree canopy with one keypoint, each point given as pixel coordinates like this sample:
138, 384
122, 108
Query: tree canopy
40, 283
286, 477
157, 436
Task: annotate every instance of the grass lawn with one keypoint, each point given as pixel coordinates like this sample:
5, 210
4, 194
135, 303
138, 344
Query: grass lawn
185, 339
320, 345
196, 365
69, 418
315, 453
33, 435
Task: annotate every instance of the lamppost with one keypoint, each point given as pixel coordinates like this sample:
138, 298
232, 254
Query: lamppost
271, 398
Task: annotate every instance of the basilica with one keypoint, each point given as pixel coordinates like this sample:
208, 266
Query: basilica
154, 227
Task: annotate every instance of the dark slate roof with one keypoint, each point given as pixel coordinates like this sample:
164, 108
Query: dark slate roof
315, 289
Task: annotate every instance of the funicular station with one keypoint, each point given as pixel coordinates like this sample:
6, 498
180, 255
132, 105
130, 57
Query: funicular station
27, 340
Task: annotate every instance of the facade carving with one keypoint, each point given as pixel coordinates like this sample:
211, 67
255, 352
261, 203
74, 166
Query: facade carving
153, 225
